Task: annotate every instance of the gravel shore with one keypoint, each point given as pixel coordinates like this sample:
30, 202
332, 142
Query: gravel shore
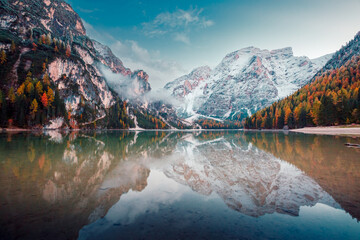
329, 130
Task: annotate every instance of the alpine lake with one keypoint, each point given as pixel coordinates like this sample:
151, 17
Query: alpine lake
178, 185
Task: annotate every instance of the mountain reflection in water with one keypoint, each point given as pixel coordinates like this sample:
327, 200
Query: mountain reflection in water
138, 184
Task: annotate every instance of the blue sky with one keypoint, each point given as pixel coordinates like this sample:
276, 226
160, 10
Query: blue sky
170, 38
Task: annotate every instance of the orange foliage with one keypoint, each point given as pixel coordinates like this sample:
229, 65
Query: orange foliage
44, 100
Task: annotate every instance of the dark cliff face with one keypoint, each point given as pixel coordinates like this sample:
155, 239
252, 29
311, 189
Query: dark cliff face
54, 16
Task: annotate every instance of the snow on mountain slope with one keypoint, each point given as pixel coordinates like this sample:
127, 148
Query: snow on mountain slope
244, 81
185, 84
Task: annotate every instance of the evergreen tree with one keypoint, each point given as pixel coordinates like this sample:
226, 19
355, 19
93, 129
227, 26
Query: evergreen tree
46, 79
50, 96
11, 95
34, 108
280, 124
13, 47
302, 118
1, 98
327, 112
4, 113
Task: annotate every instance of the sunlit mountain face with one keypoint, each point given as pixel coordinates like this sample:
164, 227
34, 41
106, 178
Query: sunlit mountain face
177, 184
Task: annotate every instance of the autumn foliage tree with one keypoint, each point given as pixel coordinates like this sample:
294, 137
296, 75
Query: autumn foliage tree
34, 107
44, 100
2, 57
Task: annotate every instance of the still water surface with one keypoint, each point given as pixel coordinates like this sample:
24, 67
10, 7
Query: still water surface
178, 185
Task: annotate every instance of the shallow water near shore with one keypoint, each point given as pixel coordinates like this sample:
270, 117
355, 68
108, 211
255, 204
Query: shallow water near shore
178, 185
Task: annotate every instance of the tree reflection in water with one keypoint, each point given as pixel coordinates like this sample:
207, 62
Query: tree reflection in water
53, 184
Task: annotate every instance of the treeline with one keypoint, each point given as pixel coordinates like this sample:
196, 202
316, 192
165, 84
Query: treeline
213, 124
117, 117
33, 102
331, 99
28, 99
149, 121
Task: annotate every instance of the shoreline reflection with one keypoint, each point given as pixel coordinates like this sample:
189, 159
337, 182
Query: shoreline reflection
62, 183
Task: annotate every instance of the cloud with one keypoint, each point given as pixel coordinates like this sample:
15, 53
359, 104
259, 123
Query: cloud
135, 57
126, 88
121, 84
182, 37
208, 23
178, 23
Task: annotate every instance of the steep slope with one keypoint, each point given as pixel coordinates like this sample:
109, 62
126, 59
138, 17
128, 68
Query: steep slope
138, 80
244, 81
46, 41
184, 85
331, 98
55, 16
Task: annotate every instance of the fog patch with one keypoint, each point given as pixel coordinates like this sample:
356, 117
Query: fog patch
122, 85
127, 88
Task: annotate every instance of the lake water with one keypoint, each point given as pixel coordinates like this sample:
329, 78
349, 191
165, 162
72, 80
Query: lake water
178, 185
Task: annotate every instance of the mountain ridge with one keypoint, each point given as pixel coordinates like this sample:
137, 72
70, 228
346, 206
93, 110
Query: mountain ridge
244, 81
330, 98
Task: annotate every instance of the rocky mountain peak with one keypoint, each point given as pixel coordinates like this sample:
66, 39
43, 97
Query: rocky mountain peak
108, 58
244, 81
141, 82
51, 16
287, 51
185, 84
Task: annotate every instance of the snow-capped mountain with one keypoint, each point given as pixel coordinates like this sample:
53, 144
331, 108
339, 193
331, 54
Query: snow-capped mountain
244, 81
184, 85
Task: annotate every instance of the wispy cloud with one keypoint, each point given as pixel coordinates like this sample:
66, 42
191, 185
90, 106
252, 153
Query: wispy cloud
181, 37
179, 24
84, 10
